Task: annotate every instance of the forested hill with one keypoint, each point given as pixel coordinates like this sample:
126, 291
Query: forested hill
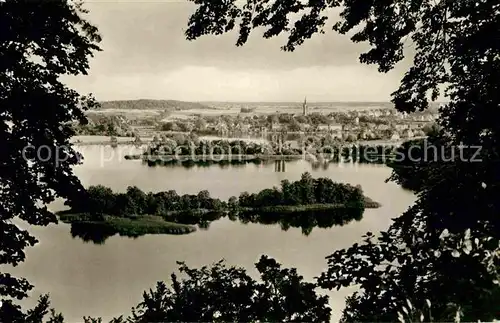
152, 104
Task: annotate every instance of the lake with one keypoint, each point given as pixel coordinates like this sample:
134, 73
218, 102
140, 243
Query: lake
107, 280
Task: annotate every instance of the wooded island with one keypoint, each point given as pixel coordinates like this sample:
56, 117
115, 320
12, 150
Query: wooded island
135, 212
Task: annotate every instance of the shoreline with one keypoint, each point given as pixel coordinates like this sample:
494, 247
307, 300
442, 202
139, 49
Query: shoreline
377, 158
210, 158
156, 224
83, 140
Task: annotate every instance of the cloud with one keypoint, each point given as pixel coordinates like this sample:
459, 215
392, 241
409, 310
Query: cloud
145, 55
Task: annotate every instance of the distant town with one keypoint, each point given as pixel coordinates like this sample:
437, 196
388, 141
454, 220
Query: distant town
149, 120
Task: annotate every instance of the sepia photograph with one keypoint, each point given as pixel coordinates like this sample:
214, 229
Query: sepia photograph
249, 161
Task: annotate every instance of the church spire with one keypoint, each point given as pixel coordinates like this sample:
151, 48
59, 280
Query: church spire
304, 106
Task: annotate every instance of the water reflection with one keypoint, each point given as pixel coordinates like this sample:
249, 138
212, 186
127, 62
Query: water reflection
304, 220
280, 166
92, 232
205, 163
99, 232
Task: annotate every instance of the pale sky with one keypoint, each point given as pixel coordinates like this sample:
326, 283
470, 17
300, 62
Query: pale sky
145, 55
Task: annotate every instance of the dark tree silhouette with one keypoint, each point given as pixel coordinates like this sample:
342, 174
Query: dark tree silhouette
414, 161
40, 41
444, 250
228, 294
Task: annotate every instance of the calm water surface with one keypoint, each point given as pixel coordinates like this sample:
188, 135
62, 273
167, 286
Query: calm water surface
107, 280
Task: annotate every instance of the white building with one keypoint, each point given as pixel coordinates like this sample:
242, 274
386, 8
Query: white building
335, 127
401, 127
395, 136
276, 126
323, 127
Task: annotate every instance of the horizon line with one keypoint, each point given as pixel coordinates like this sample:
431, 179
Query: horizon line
251, 101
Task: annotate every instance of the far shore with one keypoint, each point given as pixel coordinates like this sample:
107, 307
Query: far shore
105, 140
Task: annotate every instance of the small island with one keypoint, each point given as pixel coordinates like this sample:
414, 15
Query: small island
186, 150
305, 203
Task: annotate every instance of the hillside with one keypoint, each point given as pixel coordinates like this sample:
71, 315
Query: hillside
143, 104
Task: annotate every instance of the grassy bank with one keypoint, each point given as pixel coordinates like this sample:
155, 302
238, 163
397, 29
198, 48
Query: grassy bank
369, 204
129, 226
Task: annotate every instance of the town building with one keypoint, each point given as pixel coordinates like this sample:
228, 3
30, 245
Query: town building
418, 124
335, 127
222, 128
276, 126
401, 127
395, 135
383, 127
323, 127
366, 134
407, 133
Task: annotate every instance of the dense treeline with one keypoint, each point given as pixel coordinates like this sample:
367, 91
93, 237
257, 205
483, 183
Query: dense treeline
413, 165
305, 191
103, 125
408, 172
187, 146
333, 151
100, 200
247, 110
278, 295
